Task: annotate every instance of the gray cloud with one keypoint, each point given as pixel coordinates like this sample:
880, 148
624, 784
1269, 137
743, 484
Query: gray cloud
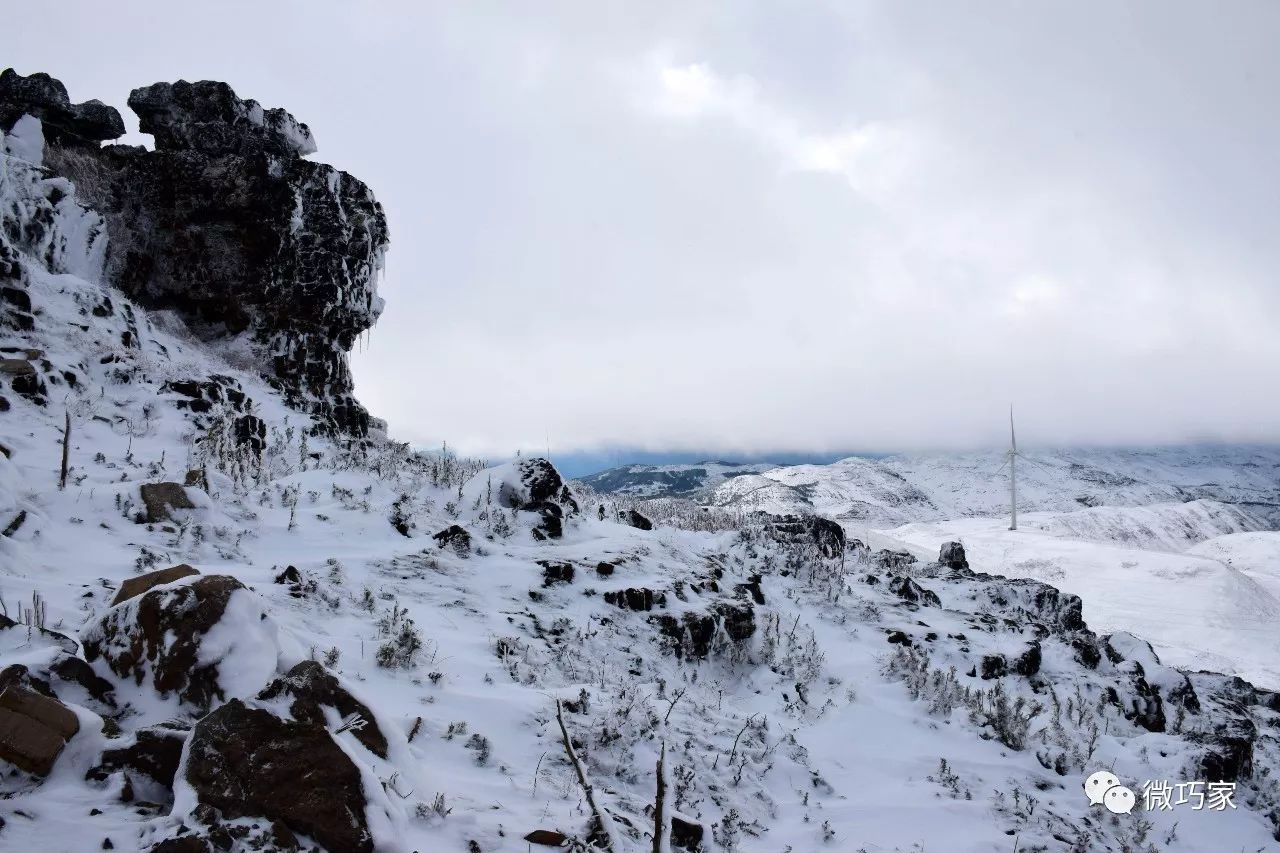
866, 225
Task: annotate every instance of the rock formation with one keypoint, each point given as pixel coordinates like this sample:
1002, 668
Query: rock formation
226, 224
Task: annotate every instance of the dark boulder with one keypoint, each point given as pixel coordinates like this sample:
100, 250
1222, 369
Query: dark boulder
634, 519
250, 432
892, 560
312, 689
135, 586
694, 633
952, 556
455, 537
246, 763
538, 487
686, 834
150, 762
636, 598
1028, 663
605, 570
814, 531
912, 593
554, 572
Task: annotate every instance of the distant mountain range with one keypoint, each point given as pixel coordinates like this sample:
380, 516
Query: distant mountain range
670, 481
900, 489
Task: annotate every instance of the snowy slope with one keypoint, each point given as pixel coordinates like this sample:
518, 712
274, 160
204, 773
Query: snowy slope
900, 489
1198, 611
823, 727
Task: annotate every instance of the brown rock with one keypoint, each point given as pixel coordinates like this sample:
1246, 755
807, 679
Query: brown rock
17, 367
33, 729
159, 638
549, 837
247, 762
134, 587
159, 498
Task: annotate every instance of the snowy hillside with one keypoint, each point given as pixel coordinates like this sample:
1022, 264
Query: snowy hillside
246, 619
900, 489
664, 481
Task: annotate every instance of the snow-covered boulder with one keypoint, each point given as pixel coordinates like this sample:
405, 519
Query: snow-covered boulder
201, 642
526, 485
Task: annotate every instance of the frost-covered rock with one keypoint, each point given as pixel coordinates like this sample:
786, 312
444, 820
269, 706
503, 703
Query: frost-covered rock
203, 641
226, 224
527, 485
821, 533
207, 117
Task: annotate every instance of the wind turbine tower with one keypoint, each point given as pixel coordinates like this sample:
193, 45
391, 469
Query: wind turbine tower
1013, 474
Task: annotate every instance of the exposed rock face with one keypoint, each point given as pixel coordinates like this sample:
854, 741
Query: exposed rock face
247, 762
312, 688
887, 559
34, 728
158, 638
133, 587
225, 223
636, 598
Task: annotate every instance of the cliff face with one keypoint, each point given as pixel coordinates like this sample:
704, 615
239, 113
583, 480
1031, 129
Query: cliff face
226, 224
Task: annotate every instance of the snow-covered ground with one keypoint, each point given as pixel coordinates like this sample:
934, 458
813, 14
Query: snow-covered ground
1136, 571
851, 716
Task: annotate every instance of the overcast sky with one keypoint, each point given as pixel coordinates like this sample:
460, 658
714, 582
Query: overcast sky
742, 226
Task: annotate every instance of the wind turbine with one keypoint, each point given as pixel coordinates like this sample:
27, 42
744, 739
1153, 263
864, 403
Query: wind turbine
1013, 474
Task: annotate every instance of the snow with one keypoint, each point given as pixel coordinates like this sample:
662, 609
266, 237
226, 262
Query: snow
801, 729
1197, 611
25, 140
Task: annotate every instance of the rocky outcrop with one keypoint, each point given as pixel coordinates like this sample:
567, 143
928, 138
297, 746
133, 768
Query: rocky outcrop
810, 530
538, 487
246, 762
133, 587
158, 640
454, 536
636, 598
912, 593
226, 224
